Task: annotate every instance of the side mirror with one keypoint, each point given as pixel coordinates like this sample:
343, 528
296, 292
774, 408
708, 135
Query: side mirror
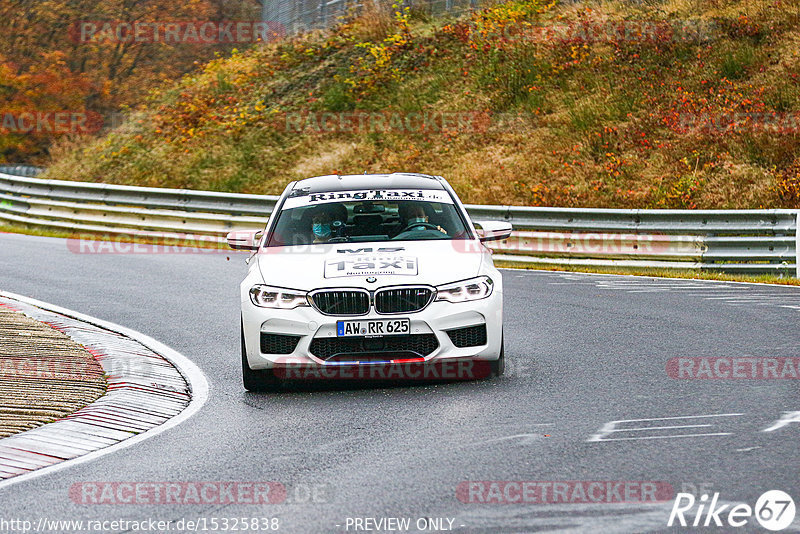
244, 239
493, 230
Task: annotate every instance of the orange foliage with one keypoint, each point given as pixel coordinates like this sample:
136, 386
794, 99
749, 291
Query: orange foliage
46, 66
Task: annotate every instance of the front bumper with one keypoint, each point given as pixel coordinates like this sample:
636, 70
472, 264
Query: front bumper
308, 324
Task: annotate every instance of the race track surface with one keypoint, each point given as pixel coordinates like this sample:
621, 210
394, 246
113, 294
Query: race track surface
582, 350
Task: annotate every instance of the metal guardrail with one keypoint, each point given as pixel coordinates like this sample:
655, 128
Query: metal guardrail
126, 210
21, 170
745, 241
296, 16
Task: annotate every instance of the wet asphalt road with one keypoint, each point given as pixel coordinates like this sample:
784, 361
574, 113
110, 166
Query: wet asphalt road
583, 351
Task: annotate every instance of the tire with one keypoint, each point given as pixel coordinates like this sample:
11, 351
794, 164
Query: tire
262, 380
498, 367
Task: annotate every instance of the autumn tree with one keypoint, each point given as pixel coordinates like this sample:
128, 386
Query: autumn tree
53, 53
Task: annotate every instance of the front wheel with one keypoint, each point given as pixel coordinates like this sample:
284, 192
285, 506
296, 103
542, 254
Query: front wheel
498, 367
262, 380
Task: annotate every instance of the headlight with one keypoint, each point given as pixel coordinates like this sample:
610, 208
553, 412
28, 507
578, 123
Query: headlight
472, 289
277, 297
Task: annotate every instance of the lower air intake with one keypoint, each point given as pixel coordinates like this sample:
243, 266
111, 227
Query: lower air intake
471, 336
278, 343
384, 348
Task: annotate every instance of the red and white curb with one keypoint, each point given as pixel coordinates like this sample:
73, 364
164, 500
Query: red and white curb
151, 388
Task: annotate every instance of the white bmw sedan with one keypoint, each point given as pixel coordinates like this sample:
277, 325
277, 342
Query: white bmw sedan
370, 277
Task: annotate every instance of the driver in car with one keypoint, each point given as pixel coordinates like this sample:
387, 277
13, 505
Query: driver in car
414, 214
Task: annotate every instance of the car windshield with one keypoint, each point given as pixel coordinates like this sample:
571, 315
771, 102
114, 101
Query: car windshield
375, 215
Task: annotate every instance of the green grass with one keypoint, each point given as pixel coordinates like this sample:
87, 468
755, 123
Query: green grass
655, 273
737, 63
26, 230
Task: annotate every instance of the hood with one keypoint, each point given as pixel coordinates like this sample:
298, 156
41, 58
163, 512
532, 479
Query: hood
352, 264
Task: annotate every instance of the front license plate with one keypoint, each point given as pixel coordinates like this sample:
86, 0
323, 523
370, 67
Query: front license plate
373, 327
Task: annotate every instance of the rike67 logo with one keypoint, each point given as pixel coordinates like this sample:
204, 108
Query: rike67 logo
774, 510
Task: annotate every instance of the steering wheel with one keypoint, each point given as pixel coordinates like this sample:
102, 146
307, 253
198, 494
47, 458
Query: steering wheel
414, 226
